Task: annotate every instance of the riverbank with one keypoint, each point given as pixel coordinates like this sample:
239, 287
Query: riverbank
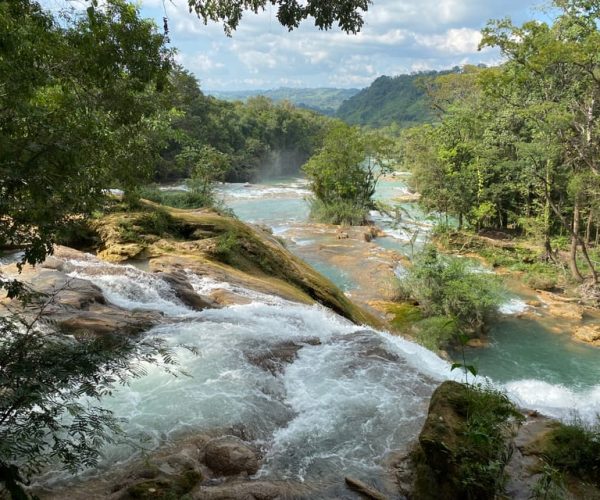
552, 296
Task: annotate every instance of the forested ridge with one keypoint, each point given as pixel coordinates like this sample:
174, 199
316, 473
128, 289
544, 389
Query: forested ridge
322, 100
400, 101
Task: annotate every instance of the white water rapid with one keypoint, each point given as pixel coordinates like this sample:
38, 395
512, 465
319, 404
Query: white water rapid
351, 396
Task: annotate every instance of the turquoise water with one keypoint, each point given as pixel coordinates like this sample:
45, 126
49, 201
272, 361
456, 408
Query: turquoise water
525, 348
274, 211
522, 351
335, 274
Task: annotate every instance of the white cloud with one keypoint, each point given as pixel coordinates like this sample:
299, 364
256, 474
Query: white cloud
453, 41
399, 36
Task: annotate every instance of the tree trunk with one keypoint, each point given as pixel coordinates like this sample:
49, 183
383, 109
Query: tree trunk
574, 242
549, 255
588, 229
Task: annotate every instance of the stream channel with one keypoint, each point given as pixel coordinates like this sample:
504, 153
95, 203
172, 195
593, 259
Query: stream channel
349, 399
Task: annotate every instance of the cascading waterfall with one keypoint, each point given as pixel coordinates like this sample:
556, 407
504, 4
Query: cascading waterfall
351, 396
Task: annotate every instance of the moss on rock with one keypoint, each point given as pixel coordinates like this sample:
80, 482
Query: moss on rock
464, 444
209, 243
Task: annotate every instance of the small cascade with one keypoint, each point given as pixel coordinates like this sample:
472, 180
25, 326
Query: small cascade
346, 397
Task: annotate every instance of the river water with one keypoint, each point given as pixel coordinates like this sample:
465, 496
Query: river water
535, 359
352, 395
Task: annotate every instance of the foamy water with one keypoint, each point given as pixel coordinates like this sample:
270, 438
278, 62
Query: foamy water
341, 405
297, 188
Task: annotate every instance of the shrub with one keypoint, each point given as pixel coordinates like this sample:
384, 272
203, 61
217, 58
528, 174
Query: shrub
575, 448
177, 199
445, 286
227, 246
436, 332
540, 281
339, 212
490, 417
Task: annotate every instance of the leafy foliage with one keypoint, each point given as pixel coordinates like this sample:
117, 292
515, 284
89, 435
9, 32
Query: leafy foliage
80, 111
517, 146
445, 287
346, 13
575, 448
484, 453
51, 384
258, 137
344, 173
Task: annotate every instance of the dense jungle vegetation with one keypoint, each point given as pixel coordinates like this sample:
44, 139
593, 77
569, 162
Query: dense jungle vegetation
516, 147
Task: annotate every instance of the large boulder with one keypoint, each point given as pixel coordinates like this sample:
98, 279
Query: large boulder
230, 456
274, 358
440, 438
78, 306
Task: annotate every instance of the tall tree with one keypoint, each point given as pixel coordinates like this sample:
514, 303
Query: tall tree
80, 110
559, 67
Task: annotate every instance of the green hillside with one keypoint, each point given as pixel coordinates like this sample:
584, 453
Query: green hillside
399, 99
322, 100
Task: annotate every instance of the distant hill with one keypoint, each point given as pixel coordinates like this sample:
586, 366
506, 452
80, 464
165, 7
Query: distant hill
322, 100
398, 99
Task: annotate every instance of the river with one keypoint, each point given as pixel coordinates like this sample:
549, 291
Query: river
353, 395
534, 358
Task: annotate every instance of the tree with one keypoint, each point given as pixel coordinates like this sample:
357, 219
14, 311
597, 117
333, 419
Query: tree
206, 165
555, 71
347, 13
344, 173
81, 111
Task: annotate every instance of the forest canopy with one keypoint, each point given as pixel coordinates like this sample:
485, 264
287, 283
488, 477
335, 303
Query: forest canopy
517, 146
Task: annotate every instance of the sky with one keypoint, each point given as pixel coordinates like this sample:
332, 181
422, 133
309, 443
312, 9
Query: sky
399, 36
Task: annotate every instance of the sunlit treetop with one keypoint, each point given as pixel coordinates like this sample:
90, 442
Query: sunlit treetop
347, 14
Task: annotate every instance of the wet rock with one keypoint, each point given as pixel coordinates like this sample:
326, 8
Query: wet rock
561, 307
67, 291
103, 320
162, 488
478, 343
78, 306
230, 456
121, 252
184, 291
228, 298
342, 235
252, 490
277, 356
371, 233
588, 333
523, 469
